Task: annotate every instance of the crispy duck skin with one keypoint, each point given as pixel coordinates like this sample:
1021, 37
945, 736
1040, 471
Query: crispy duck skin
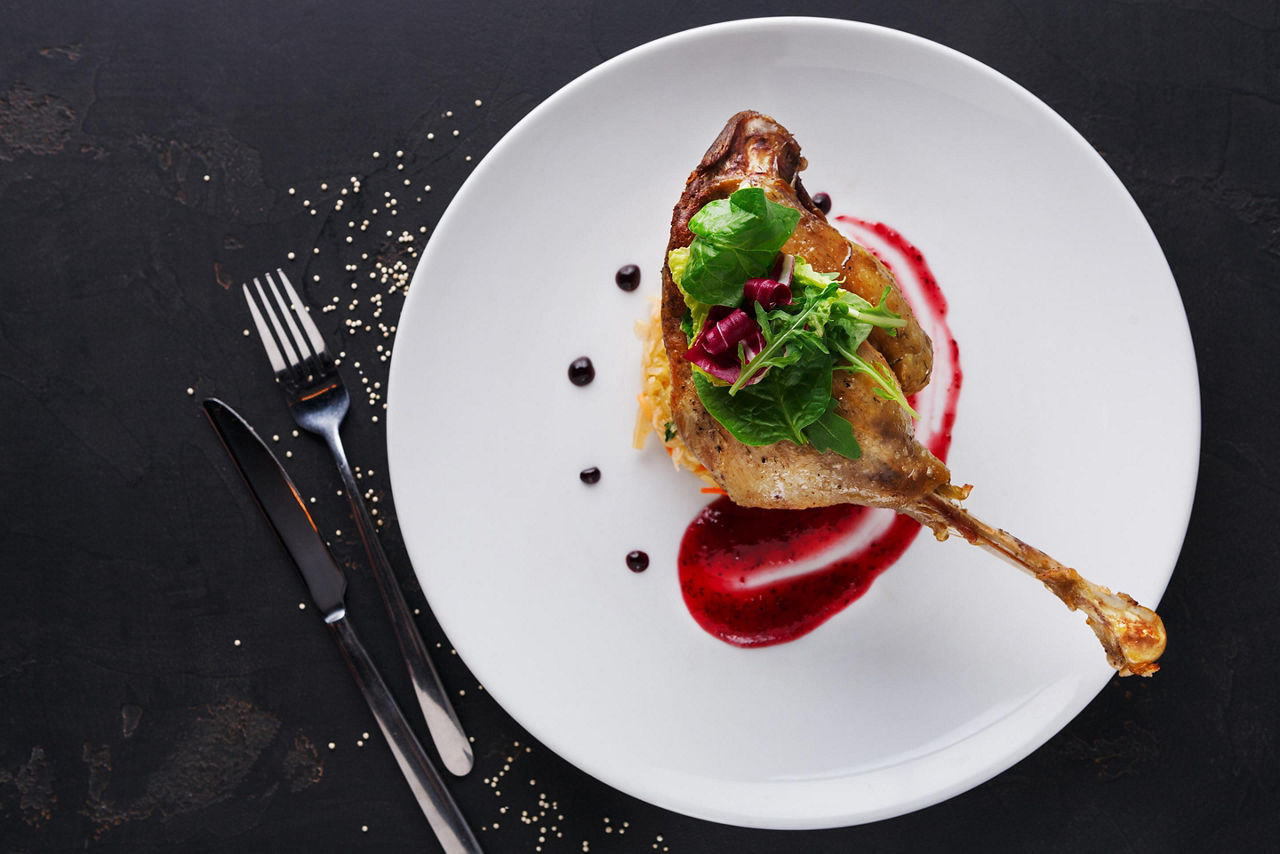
895, 470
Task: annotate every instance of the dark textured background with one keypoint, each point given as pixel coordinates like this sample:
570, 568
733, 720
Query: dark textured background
130, 718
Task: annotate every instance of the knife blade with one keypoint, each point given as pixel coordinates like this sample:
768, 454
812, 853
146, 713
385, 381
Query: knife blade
285, 510
279, 500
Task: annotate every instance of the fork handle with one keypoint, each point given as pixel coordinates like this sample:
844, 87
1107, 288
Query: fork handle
442, 721
442, 812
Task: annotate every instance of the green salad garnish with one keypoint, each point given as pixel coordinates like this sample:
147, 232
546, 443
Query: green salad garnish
776, 384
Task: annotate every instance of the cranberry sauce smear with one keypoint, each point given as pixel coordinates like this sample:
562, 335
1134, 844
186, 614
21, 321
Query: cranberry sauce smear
755, 577
735, 562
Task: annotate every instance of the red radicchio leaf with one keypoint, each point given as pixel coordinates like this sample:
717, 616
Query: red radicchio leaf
724, 335
715, 350
783, 268
770, 293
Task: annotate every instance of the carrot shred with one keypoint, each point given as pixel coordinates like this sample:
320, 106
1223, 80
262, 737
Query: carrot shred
713, 490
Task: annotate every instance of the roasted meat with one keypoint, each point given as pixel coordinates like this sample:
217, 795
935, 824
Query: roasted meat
755, 151
894, 470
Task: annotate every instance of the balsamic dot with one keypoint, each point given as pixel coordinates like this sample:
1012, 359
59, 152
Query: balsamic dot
581, 371
637, 561
628, 277
590, 475
823, 201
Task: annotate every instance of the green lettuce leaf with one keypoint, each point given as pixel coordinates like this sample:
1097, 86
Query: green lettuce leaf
736, 239
778, 407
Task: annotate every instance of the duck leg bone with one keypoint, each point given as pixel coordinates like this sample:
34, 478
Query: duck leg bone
1132, 635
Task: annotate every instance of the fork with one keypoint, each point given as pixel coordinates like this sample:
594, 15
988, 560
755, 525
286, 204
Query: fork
319, 402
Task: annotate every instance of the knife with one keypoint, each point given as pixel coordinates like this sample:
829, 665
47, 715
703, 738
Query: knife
284, 508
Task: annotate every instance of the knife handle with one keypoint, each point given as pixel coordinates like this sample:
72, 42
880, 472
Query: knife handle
437, 804
442, 721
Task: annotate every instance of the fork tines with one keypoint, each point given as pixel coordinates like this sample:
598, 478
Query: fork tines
293, 352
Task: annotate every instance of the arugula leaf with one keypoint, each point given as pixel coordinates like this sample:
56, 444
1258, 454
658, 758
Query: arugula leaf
851, 321
782, 327
778, 407
886, 385
877, 315
736, 239
832, 433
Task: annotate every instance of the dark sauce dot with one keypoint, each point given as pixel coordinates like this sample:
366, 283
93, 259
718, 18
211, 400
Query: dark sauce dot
590, 475
628, 277
823, 201
637, 561
581, 371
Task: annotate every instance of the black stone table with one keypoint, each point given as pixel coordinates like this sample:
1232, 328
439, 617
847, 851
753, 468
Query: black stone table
155, 154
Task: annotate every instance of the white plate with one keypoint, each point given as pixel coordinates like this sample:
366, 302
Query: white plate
1078, 424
